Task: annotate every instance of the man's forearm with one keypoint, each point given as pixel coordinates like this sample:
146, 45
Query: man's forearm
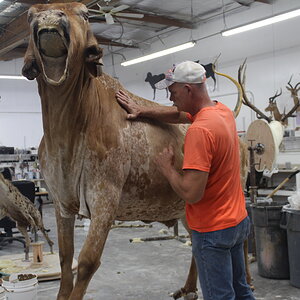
183, 187
167, 114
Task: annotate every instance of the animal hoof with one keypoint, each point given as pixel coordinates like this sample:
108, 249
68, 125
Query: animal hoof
191, 296
186, 296
178, 294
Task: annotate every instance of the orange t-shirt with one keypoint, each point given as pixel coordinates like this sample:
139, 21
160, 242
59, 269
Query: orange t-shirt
211, 145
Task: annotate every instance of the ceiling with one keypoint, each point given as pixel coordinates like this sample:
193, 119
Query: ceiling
160, 18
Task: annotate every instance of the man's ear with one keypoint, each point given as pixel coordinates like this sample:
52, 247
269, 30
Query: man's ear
93, 56
30, 68
188, 87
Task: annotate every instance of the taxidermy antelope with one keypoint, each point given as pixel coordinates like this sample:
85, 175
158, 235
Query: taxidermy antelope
273, 108
294, 94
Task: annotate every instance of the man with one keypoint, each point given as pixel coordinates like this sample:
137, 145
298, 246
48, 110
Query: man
210, 184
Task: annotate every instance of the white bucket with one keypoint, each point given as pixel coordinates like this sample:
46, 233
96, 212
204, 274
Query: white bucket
2, 293
17, 289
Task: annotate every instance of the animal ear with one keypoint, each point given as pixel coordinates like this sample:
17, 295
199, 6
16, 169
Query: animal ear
93, 56
30, 69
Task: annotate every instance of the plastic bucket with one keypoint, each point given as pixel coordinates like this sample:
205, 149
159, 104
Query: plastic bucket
20, 287
2, 293
271, 241
291, 222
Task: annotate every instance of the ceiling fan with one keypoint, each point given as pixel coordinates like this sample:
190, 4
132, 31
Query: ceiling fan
108, 12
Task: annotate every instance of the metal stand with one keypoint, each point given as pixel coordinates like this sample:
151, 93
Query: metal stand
258, 149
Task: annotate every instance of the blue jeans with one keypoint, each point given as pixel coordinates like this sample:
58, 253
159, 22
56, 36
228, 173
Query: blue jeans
220, 262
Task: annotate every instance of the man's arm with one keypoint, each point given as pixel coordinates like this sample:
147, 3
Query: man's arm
167, 114
190, 186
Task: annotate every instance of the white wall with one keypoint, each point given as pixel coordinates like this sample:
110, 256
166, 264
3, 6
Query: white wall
20, 111
273, 55
272, 52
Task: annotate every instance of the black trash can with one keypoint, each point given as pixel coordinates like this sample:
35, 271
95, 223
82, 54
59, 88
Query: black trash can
251, 235
271, 241
291, 222
251, 239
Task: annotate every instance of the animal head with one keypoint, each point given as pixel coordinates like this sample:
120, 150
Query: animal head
272, 102
61, 42
149, 76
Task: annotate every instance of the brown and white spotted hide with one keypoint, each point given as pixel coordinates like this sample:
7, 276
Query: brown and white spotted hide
16, 206
96, 163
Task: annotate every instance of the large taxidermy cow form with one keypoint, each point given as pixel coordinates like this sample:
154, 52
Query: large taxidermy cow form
96, 163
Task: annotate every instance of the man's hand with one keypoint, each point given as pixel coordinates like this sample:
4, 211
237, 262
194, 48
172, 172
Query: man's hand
167, 114
165, 160
132, 108
190, 186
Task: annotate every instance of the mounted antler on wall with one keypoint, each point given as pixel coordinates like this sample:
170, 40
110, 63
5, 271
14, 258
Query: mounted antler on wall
241, 80
294, 94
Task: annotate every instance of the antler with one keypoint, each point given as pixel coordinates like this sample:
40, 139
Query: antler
294, 94
272, 99
238, 105
293, 89
242, 79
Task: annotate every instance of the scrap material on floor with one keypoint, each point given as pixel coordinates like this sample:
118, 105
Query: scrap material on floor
49, 269
140, 271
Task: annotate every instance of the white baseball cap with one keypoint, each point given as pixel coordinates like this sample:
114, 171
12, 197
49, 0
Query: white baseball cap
185, 72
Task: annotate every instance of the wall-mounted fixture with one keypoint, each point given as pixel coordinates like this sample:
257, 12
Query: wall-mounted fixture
159, 54
261, 23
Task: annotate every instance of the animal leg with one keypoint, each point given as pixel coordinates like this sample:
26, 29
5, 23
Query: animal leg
189, 291
45, 234
41, 227
247, 265
65, 230
89, 258
23, 231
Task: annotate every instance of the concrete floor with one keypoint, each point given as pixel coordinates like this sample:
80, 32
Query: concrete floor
142, 271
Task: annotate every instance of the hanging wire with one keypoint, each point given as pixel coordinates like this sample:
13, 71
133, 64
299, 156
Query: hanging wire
223, 14
122, 29
273, 51
110, 51
113, 66
158, 37
192, 17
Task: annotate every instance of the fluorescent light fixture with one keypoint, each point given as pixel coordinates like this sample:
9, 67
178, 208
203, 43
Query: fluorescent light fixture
265, 22
18, 77
158, 54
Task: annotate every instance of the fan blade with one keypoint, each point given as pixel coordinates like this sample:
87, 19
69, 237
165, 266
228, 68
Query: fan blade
96, 11
119, 8
97, 17
104, 8
130, 15
109, 19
